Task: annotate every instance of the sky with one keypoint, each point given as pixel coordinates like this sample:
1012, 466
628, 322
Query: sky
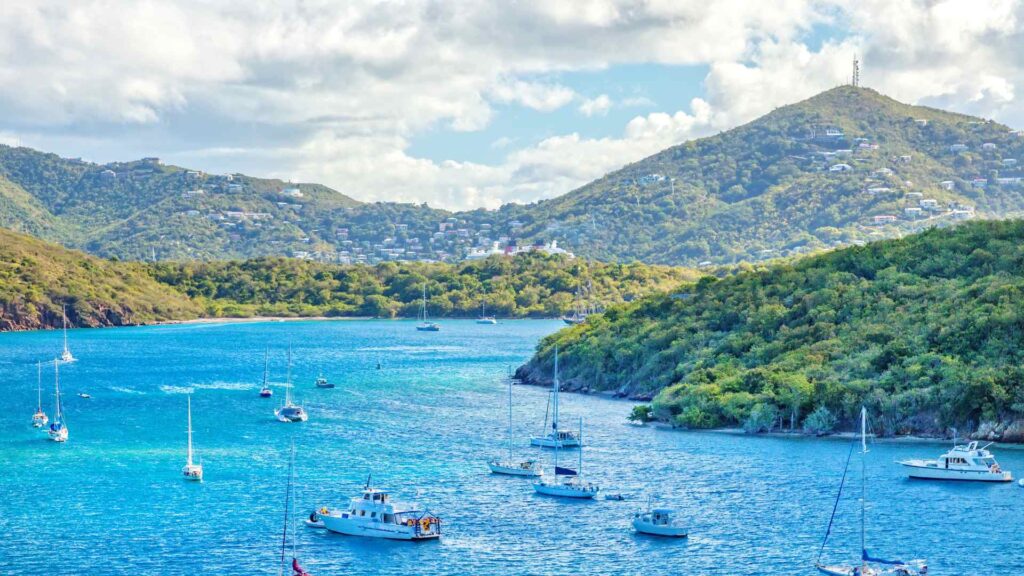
467, 104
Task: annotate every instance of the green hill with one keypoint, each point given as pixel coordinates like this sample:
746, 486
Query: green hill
927, 331
36, 278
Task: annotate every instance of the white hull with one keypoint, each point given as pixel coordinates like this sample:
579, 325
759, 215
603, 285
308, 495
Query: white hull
566, 490
40, 421
923, 471
486, 321
61, 436
656, 530
369, 529
192, 473
514, 469
549, 442
282, 416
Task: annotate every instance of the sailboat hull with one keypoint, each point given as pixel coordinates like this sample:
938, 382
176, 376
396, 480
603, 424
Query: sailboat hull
586, 492
192, 473
549, 442
524, 469
429, 328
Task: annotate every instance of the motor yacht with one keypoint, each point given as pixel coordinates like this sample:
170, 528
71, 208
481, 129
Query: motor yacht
375, 515
658, 522
968, 463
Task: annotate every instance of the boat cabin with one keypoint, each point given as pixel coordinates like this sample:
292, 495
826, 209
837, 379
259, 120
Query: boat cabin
969, 457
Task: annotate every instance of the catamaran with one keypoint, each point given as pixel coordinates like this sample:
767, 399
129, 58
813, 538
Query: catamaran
191, 471
425, 325
556, 438
266, 392
58, 431
66, 355
289, 513
511, 466
290, 412
868, 566
375, 515
39, 419
965, 463
566, 482
484, 318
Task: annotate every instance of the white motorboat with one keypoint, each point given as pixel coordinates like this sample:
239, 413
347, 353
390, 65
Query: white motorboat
868, 565
426, 325
484, 318
265, 391
658, 522
39, 419
290, 412
965, 463
58, 431
375, 515
66, 355
191, 470
511, 466
321, 381
555, 438
566, 482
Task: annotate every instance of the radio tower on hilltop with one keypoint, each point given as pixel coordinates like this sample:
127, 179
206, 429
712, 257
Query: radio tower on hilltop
855, 79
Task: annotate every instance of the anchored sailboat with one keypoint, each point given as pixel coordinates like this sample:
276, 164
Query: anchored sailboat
289, 513
868, 565
66, 355
484, 318
566, 482
290, 412
266, 392
39, 419
556, 438
58, 431
191, 471
425, 325
511, 467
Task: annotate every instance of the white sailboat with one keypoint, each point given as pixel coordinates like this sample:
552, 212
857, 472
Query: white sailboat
425, 325
512, 467
58, 431
868, 566
289, 515
265, 391
66, 355
290, 412
191, 471
484, 318
566, 482
39, 419
556, 438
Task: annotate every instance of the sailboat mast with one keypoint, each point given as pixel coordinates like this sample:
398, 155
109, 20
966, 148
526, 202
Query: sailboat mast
56, 386
510, 415
266, 366
579, 467
863, 480
189, 462
424, 302
39, 386
287, 503
64, 314
556, 386
288, 380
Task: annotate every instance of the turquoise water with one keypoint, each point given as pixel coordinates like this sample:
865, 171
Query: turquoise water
110, 501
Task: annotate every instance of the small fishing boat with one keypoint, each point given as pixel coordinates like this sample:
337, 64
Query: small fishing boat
555, 438
965, 463
84, 395
289, 513
425, 325
657, 522
39, 419
66, 355
484, 318
868, 565
511, 466
265, 391
566, 482
375, 515
58, 431
290, 412
322, 382
191, 471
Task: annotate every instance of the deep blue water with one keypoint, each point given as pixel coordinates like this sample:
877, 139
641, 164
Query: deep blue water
110, 501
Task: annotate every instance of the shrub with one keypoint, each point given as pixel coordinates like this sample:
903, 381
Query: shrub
762, 418
819, 422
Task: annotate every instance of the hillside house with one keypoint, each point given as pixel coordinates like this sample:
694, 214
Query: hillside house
292, 192
947, 185
988, 146
840, 168
963, 214
108, 175
915, 195
922, 122
1009, 162
1014, 181
979, 182
883, 172
957, 148
904, 159
912, 211
884, 219
878, 190
929, 203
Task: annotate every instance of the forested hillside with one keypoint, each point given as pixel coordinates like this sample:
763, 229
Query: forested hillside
927, 331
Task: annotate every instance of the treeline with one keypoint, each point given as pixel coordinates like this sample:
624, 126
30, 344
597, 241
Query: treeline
529, 285
926, 331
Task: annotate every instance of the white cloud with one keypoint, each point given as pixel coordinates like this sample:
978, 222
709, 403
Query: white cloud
335, 92
598, 106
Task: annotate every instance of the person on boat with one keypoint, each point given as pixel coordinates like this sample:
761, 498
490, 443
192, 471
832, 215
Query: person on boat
297, 570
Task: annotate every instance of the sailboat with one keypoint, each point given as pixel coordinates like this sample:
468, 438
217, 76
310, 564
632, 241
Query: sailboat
556, 438
191, 471
425, 325
868, 565
289, 514
290, 412
566, 482
511, 467
39, 419
484, 318
266, 392
579, 311
66, 355
58, 428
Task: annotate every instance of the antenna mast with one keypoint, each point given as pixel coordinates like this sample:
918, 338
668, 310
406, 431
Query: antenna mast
855, 78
